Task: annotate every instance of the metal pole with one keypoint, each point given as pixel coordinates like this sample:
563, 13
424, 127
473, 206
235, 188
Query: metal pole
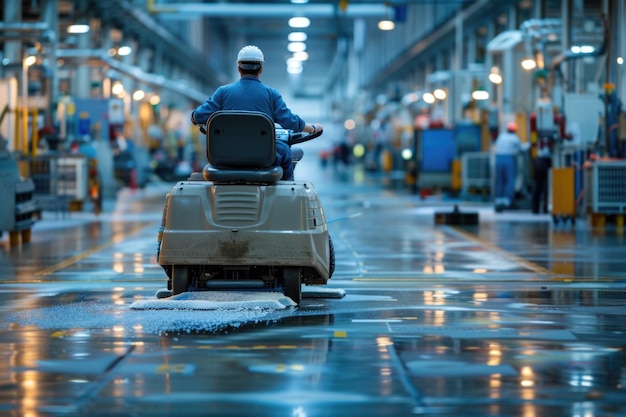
24, 107
500, 104
51, 16
35, 134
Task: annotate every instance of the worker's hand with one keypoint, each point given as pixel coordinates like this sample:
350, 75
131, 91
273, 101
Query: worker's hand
314, 128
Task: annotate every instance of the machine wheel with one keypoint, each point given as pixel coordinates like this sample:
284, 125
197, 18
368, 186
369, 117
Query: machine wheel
293, 284
180, 279
166, 268
331, 257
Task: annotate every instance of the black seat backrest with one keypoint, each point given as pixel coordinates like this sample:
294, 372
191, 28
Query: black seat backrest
240, 139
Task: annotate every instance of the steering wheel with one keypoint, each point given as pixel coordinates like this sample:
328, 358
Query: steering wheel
299, 137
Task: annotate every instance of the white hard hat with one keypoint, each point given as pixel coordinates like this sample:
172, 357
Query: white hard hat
250, 57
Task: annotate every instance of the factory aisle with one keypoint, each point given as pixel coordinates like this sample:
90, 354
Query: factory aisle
514, 316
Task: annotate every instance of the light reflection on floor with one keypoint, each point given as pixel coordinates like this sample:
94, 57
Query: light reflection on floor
513, 317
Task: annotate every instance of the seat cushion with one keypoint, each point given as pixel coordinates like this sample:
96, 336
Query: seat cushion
233, 175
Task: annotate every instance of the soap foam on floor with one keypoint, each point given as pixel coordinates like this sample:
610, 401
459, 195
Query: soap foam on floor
217, 300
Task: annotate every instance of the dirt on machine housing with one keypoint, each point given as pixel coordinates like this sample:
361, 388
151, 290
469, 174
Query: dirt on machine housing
236, 224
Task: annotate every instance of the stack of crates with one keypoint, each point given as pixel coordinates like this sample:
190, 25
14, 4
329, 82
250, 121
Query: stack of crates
605, 192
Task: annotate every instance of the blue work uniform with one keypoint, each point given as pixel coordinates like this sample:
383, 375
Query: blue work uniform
249, 93
506, 147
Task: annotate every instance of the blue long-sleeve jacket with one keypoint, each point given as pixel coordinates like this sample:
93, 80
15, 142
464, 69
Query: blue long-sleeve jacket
249, 93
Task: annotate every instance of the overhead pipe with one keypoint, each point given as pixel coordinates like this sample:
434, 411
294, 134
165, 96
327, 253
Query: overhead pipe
39, 31
193, 62
538, 31
540, 27
567, 55
400, 62
20, 30
267, 10
24, 27
133, 71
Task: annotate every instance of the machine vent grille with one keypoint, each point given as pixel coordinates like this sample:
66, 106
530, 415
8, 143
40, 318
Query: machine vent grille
237, 208
314, 215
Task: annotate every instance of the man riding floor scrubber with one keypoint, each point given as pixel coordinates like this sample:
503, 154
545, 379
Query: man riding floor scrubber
236, 225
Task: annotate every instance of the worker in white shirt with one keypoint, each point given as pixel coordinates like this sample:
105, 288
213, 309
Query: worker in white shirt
506, 147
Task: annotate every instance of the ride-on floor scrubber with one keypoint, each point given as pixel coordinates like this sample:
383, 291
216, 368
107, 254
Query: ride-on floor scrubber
236, 224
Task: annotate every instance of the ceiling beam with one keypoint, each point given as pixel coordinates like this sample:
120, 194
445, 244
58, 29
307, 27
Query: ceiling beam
267, 10
137, 20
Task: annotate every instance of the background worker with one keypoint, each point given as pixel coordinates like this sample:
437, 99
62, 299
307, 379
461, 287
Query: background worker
249, 93
506, 147
541, 164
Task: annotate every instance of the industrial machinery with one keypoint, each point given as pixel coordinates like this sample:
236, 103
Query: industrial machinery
236, 225
18, 210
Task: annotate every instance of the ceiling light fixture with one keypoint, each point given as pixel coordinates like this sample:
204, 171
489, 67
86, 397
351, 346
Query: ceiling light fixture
529, 64
297, 37
78, 29
428, 98
299, 22
30, 60
118, 88
124, 50
138, 95
386, 25
480, 94
495, 76
296, 47
301, 56
582, 49
440, 94
294, 69
155, 99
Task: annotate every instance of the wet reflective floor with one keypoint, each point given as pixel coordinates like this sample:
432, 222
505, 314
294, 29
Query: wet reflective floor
515, 316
